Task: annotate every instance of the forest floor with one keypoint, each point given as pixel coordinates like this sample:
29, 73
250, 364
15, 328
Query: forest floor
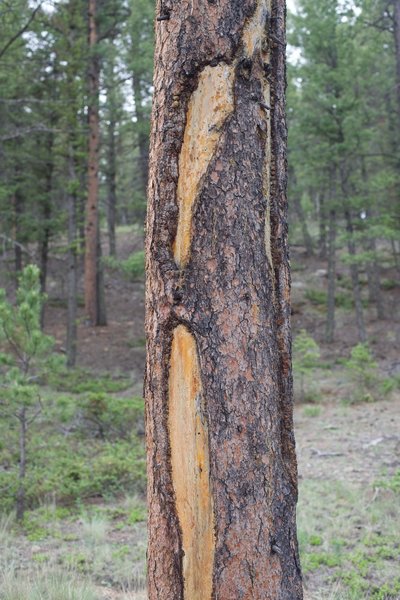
348, 454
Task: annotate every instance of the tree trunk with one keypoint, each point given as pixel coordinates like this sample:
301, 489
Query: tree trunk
222, 476
72, 279
91, 258
306, 234
330, 317
18, 212
143, 142
396, 32
111, 188
101, 300
22, 464
355, 279
374, 279
45, 225
323, 251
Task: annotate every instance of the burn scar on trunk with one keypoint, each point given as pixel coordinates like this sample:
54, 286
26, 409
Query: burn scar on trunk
209, 106
188, 435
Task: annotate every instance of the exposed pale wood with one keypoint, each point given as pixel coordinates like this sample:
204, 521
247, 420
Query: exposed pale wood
188, 432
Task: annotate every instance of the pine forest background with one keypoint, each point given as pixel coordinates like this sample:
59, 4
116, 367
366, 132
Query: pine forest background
74, 71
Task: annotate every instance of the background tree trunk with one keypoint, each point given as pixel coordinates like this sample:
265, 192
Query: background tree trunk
91, 259
18, 213
355, 279
22, 464
330, 316
72, 278
143, 142
222, 477
308, 243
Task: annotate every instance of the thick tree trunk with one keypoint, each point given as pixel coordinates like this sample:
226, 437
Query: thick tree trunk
222, 477
91, 225
330, 316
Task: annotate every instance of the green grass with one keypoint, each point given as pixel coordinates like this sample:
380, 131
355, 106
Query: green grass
45, 584
312, 411
348, 536
79, 381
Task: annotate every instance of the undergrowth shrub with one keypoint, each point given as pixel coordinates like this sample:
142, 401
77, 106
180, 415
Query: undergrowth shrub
306, 355
132, 268
362, 371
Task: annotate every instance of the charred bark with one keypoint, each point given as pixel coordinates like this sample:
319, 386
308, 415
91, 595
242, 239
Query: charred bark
222, 476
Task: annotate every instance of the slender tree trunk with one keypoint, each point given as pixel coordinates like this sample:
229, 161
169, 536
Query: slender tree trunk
374, 280
306, 234
100, 295
111, 188
143, 142
45, 227
18, 212
351, 246
72, 279
322, 228
396, 32
330, 317
22, 464
91, 259
222, 477
396, 256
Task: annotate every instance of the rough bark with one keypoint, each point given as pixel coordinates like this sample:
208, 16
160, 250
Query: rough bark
91, 223
222, 477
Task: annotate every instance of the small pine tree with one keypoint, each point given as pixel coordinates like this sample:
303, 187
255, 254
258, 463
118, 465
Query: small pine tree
24, 356
306, 354
363, 373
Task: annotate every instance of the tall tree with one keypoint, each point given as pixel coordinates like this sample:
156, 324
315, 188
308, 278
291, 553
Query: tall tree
92, 218
222, 479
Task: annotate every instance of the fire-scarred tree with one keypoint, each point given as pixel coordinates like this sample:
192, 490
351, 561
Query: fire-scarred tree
222, 477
